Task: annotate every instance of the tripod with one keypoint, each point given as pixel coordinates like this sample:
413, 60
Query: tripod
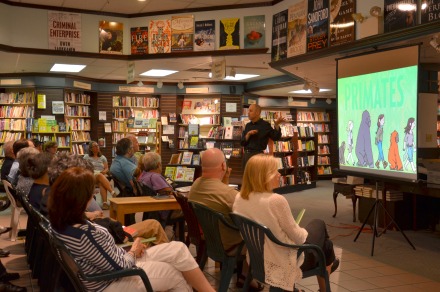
375, 208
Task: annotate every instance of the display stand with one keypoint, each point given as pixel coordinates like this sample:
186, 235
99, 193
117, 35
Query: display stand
375, 208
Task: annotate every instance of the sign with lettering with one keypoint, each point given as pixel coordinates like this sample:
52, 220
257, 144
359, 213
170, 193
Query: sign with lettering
396, 17
317, 25
430, 11
341, 22
64, 32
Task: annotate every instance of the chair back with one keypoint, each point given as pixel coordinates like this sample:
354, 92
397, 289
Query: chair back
10, 192
254, 235
124, 190
142, 189
194, 232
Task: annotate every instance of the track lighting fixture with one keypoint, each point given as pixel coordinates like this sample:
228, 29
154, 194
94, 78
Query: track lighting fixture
232, 72
375, 11
328, 101
358, 17
159, 84
434, 43
313, 100
180, 85
314, 89
140, 83
306, 86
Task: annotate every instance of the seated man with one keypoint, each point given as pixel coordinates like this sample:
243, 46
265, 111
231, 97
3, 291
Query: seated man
122, 167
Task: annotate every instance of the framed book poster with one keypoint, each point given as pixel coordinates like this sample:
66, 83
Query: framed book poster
57, 107
229, 34
111, 36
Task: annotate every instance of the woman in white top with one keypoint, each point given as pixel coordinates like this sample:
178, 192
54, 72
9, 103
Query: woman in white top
100, 166
257, 202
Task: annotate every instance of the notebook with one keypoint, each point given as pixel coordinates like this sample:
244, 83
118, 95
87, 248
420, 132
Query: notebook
300, 216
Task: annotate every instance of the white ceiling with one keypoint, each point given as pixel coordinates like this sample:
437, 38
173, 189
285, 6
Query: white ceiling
191, 69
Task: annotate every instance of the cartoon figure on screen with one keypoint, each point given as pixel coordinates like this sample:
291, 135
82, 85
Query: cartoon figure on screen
342, 153
364, 152
379, 140
409, 143
350, 143
393, 153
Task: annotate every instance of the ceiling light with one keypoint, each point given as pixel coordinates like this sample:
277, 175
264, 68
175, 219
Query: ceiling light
302, 91
67, 68
424, 5
159, 84
180, 85
140, 83
232, 72
313, 100
376, 11
358, 17
306, 86
158, 73
240, 77
407, 7
328, 100
314, 89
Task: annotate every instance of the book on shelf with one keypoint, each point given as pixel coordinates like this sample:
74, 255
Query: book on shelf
164, 120
171, 144
188, 174
194, 142
237, 132
151, 138
62, 127
173, 117
180, 173
193, 129
175, 158
142, 139
210, 144
196, 159
186, 158
227, 121
170, 172
236, 152
165, 138
227, 152
152, 123
130, 122
186, 105
228, 132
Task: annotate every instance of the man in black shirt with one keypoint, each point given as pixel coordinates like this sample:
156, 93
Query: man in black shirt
9, 159
257, 132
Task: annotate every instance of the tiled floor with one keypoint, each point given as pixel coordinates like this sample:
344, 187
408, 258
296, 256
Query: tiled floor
357, 272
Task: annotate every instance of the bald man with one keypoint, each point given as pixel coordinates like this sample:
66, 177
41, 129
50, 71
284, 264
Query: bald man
257, 132
213, 191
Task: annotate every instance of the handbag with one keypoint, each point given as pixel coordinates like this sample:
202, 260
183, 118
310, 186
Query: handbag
115, 229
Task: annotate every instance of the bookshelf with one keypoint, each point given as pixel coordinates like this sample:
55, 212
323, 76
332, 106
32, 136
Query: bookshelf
16, 114
77, 117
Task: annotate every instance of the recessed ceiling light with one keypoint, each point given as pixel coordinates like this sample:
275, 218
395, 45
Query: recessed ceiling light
158, 73
302, 91
240, 77
67, 68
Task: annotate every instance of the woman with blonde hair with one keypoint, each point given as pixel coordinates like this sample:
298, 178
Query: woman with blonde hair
257, 201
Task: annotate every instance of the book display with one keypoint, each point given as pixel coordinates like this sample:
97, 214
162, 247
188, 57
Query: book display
16, 115
137, 115
77, 117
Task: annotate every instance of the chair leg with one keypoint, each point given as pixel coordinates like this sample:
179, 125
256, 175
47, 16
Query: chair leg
226, 274
203, 257
15, 217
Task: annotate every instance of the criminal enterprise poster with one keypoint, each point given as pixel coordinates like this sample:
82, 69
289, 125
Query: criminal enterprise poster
64, 31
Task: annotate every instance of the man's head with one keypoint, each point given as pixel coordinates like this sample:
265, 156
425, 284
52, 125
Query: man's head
20, 144
134, 141
124, 147
213, 163
9, 152
254, 112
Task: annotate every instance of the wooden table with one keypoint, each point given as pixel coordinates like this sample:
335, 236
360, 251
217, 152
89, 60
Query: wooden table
128, 205
348, 191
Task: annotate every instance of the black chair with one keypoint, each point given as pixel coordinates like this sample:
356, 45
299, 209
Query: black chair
125, 191
194, 235
210, 221
74, 272
254, 235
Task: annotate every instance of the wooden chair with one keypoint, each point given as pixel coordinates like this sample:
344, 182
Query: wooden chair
16, 210
195, 234
209, 221
254, 235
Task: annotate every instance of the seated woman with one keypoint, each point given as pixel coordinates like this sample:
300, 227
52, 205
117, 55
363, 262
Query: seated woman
257, 202
50, 147
25, 181
100, 166
169, 266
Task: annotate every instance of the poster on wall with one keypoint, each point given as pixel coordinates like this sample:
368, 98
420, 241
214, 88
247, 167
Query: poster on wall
430, 11
204, 35
254, 31
341, 23
182, 33
279, 35
159, 36
139, 40
64, 31
317, 25
229, 34
111, 35
396, 18
296, 29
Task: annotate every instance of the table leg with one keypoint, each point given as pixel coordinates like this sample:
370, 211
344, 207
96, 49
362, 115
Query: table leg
354, 199
335, 195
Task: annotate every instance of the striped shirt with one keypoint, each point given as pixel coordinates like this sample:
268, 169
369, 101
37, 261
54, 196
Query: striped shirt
95, 251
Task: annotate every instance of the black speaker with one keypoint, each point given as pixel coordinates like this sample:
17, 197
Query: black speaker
232, 90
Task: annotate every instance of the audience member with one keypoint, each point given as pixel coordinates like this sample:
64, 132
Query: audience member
149, 172
50, 147
38, 144
9, 159
25, 181
169, 266
122, 167
16, 147
100, 167
257, 201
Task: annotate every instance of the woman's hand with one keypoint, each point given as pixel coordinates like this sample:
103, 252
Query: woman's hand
138, 247
95, 214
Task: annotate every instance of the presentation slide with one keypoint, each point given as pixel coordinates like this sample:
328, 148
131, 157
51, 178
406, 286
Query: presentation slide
377, 122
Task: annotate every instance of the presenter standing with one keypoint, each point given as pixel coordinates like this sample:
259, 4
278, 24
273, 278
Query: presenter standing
257, 132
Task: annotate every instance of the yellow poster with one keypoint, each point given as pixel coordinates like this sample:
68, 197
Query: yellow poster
41, 98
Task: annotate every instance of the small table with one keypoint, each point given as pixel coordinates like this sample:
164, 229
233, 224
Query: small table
348, 191
128, 205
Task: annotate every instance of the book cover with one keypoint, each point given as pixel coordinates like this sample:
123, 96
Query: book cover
175, 158
193, 129
182, 33
204, 35
170, 172
188, 174
152, 123
194, 142
279, 36
139, 40
236, 152
186, 104
228, 132
186, 158
180, 173
196, 159
159, 38
111, 36
341, 32
130, 230
151, 138
130, 122
229, 34
62, 127
142, 139
430, 11
236, 132
317, 29
254, 31
227, 152
396, 18
296, 29
173, 117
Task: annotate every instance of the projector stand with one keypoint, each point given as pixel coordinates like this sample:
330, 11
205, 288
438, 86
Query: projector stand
378, 203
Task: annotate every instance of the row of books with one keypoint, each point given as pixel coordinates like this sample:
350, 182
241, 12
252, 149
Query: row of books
10, 136
231, 152
117, 136
135, 101
317, 127
306, 161
323, 160
141, 123
323, 149
14, 125
287, 130
8, 111
282, 146
228, 132
63, 141
323, 170
369, 191
71, 97
186, 158
180, 173
150, 138
306, 145
305, 131
125, 113
323, 139
79, 124
79, 149
312, 116
193, 119
287, 180
80, 136
77, 110
285, 162
17, 97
